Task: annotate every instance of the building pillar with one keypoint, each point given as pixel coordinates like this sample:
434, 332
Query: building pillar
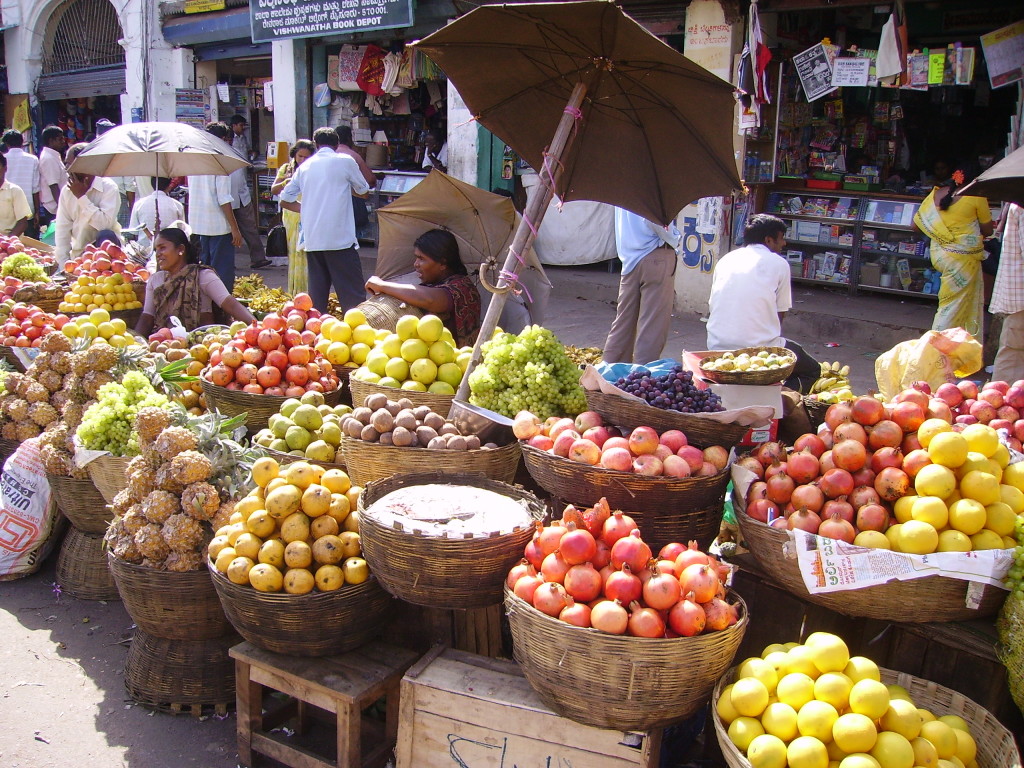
462, 139
282, 63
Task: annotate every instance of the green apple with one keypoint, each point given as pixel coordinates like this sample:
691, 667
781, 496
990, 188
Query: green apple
331, 434
450, 374
397, 368
279, 445
441, 352
406, 327
440, 388
319, 450
414, 349
312, 397
430, 328
424, 371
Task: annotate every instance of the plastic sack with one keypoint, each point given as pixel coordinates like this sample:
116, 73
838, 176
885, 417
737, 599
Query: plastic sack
937, 357
615, 371
28, 513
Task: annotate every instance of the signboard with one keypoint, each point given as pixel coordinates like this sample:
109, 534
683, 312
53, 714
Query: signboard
851, 71
708, 40
1004, 53
283, 19
202, 6
815, 71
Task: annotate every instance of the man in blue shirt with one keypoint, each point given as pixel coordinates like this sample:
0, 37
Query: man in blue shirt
646, 289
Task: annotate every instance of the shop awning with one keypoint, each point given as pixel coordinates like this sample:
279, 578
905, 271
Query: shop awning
224, 27
97, 81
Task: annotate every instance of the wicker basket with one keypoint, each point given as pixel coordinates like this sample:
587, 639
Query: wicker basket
7, 353
750, 378
700, 431
932, 598
669, 524
647, 682
996, 747
7, 449
383, 311
368, 462
1011, 645
110, 475
585, 484
286, 458
50, 306
171, 675
82, 567
81, 503
816, 411
257, 408
443, 573
315, 624
175, 606
440, 404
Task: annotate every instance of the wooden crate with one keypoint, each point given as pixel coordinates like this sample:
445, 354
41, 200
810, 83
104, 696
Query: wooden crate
458, 709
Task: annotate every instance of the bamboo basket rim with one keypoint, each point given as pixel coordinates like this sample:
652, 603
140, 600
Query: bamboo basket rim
754, 378
360, 389
263, 398
283, 598
368, 462
1000, 749
286, 458
82, 569
107, 473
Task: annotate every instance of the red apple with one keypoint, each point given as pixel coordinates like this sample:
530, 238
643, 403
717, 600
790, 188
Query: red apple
968, 389
598, 435
587, 420
564, 441
674, 439
647, 464
673, 466
561, 426
693, 456
643, 440
617, 458
615, 442
584, 452
716, 455
541, 442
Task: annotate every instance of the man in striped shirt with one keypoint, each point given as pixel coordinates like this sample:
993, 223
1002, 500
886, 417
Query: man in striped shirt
1008, 298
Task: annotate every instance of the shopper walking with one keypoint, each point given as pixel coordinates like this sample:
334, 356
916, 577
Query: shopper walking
957, 229
23, 172
52, 173
326, 183
212, 219
298, 276
1008, 298
345, 147
242, 206
646, 289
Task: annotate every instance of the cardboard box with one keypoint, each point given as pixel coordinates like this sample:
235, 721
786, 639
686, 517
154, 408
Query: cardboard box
741, 396
39, 245
870, 274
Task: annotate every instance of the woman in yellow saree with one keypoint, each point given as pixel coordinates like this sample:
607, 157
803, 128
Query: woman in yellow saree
957, 228
297, 277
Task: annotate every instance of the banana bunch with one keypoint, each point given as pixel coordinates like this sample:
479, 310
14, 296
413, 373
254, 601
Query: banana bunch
833, 385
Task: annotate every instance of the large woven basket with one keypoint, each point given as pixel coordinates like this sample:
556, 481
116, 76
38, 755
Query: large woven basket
50, 306
619, 682
932, 598
668, 524
816, 411
383, 311
996, 747
257, 408
7, 449
443, 573
440, 404
1011, 645
750, 378
82, 567
7, 353
178, 675
81, 503
176, 606
367, 461
286, 458
584, 484
629, 414
109, 474
315, 624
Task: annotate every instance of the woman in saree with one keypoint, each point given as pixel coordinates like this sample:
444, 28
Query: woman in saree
298, 279
184, 288
957, 228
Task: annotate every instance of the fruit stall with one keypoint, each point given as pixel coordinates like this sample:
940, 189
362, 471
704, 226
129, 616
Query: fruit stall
628, 558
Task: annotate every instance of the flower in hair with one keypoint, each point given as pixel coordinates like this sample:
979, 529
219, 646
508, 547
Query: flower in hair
958, 177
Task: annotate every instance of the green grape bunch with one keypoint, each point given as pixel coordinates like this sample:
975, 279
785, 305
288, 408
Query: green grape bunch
528, 372
107, 425
23, 267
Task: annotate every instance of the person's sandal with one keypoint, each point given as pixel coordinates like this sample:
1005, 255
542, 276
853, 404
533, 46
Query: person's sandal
262, 265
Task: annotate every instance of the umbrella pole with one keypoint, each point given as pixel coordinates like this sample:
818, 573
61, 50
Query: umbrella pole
525, 234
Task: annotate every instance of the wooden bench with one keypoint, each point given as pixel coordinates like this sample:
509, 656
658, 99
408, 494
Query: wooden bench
342, 686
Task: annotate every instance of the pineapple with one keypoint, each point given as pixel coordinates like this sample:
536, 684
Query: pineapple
36, 393
101, 358
55, 342
93, 380
53, 461
52, 380
17, 410
223, 515
134, 520
165, 481
42, 362
151, 544
126, 549
27, 430
62, 362
57, 399
200, 500
190, 467
150, 422
183, 534
72, 414
13, 381
183, 562
175, 440
9, 431
122, 502
158, 506
43, 414
79, 364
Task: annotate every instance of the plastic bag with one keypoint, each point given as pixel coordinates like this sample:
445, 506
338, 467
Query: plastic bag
937, 357
28, 513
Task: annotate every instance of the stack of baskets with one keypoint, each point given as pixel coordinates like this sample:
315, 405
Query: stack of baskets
82, 563
178, 659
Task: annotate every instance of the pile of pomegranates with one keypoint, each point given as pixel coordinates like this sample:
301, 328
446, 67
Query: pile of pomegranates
593, 569
998, 404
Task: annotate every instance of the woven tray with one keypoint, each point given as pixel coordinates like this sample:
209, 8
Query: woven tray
700, 431
646, 682
179, 676
81, 503
82, 568
175, 606
315, 624
932, 598
258, 408
109, 474
815, 412
367, 462
750, 378
584, 484
443, 573
996, 747
440, 404
383, 311
7, 353
286, 458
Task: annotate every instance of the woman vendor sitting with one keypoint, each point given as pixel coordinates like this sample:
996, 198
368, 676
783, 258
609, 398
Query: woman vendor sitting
184, 288
445, 288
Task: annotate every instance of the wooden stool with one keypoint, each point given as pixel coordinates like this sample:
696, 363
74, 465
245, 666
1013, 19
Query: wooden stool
342, 685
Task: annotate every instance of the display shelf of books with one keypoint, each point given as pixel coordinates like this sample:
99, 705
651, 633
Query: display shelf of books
892, 257
266, 206
820, 235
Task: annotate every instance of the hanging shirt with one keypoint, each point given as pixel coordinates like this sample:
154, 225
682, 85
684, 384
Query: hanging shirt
1008, 292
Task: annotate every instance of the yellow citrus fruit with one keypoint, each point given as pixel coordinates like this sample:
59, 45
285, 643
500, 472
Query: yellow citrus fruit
828, 652
767, 751
931, 428
999, 517
931, 510
898, 692
967, 516
854, 733
780, 720
869, 698
980, 486
918, 538
892, 750
981, 438
935, 480
816, 719
925, 755
861, 668
901, 717
724, 706
795, 689
772, 648
760, 669
744, 730
835, 754
859, 760
806, 752
902, 507
777, 660
1013, 497
952, 540
948, 449
1001, 456
892, 533
942, 736
986, 539
801, 659
749, 697
975, 461
834, 688
872, 540
966, 747
955, 722
926, 716
1012, 475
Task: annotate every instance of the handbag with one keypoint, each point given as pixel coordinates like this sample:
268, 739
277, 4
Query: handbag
277, 242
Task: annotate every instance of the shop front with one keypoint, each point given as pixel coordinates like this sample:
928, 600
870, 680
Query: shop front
845, 156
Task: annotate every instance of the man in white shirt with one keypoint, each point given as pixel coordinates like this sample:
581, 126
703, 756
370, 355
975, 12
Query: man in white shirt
52, 173
751, 293
241, 205
326, 182
211, 217
435, 151
86, 211
149, 209
23, 171
239, 141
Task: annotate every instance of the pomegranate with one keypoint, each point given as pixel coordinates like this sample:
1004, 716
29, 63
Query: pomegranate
872, 517
645, 622
826, 439
950, 394
849, 455
863, 494
623, 585
778, 468
836, 483
910, 443
885, 434
751, 464
808, 496
577, 614
865, 476
804, 520
631, 550
937, 409
687, 618
609, 616
550, 599
910, 415
603, 555
968, 389
617, 526
719, 614
992, 396
914, 461
867, 410
850, 431
548, 538
690, 556
825, 463
892, 484
758, 490
533, 553
583, 582
577, 545
769, 453
836, 527
763, 510
838, 414
780, 488
662, 591
701, 580
886, 457
840, 507
803, 466
554, 568
671, 551
912, 395
518, 571
526, 587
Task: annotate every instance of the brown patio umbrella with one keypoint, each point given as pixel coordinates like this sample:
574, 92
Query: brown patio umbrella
1004, 181
599, 106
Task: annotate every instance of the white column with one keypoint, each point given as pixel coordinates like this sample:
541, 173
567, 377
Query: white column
23, 47
462, 139
282, 63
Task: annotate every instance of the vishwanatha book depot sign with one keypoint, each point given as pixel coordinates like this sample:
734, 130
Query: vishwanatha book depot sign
281, 19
